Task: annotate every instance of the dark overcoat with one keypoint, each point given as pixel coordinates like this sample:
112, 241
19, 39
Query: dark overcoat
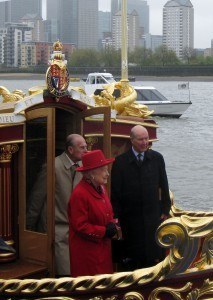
140, 194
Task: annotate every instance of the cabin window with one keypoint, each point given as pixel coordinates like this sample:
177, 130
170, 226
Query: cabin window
149, 95
144, 95
36, 174
100, 80
92, 80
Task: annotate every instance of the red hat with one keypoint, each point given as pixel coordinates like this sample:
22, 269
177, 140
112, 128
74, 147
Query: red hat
94, 159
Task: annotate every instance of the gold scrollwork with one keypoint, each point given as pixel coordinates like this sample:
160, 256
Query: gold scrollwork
91, 141
175, 293
101, 298
206, 289
182, 235
55, 298
6, 152
133, 296
177, 212
206, 253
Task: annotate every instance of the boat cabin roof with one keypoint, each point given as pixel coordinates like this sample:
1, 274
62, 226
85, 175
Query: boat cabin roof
99, 78
100, 74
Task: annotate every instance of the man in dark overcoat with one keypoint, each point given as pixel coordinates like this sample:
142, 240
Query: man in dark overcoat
140, 199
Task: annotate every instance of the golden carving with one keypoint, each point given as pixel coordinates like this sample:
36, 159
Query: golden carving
133, 296
57, 298
35, 90
101, 298
177, 212
8, 96
125, 105
182, 235
91, 141
176, 293
206, 289
206, 253
57, 46
6, 152
57, 76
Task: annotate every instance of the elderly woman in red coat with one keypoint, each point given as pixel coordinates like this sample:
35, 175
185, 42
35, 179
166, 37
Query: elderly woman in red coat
91, 221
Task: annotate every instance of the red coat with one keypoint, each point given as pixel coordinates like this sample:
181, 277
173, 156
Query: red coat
89, 212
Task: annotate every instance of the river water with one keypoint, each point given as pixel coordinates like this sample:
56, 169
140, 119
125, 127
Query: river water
186, 143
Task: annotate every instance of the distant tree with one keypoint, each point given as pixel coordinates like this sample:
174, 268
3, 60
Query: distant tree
188, 54
165, 56
209, 60
110, 57
201, 60
85, 58
141, 56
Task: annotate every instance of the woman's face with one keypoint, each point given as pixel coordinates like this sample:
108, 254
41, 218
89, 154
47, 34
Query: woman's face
100, 175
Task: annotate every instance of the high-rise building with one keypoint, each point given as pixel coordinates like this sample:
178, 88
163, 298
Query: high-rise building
19, 8
16, 34
178, 26
37, 23
68, 21
73, 21
62, 17
52, 23
115, 6
140, 6
87, 24
153, 41
133, 30
104, 23
5, 12
142, 9
3, 33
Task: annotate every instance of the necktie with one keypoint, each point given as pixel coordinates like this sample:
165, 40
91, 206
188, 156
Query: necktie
140, 158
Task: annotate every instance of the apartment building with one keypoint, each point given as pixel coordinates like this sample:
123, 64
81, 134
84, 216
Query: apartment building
178, 26
133, 30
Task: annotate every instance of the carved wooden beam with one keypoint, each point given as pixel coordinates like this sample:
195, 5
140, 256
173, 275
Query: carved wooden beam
6, 214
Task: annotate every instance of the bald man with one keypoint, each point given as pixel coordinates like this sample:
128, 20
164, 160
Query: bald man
140, 199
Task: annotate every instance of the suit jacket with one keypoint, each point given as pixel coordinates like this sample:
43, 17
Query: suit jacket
140, 194
65, 181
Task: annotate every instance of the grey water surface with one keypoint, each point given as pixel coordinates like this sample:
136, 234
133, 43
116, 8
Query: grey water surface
186, 143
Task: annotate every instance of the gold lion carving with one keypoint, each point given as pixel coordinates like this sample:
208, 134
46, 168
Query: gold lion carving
8, 96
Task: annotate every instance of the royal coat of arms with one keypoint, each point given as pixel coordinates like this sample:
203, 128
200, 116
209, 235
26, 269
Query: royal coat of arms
57, 76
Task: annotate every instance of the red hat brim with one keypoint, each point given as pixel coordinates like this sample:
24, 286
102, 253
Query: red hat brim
98, 165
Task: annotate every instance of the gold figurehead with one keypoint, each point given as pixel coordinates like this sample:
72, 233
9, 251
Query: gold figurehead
8, 96
125, 105
57, 46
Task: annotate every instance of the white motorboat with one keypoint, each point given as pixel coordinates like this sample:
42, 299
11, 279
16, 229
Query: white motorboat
147, 95
162, 107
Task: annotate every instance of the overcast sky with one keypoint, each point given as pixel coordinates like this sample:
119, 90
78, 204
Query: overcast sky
203, 19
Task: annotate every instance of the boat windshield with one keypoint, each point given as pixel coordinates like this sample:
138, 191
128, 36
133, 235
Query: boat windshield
99, 79
110, 79
149, 95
